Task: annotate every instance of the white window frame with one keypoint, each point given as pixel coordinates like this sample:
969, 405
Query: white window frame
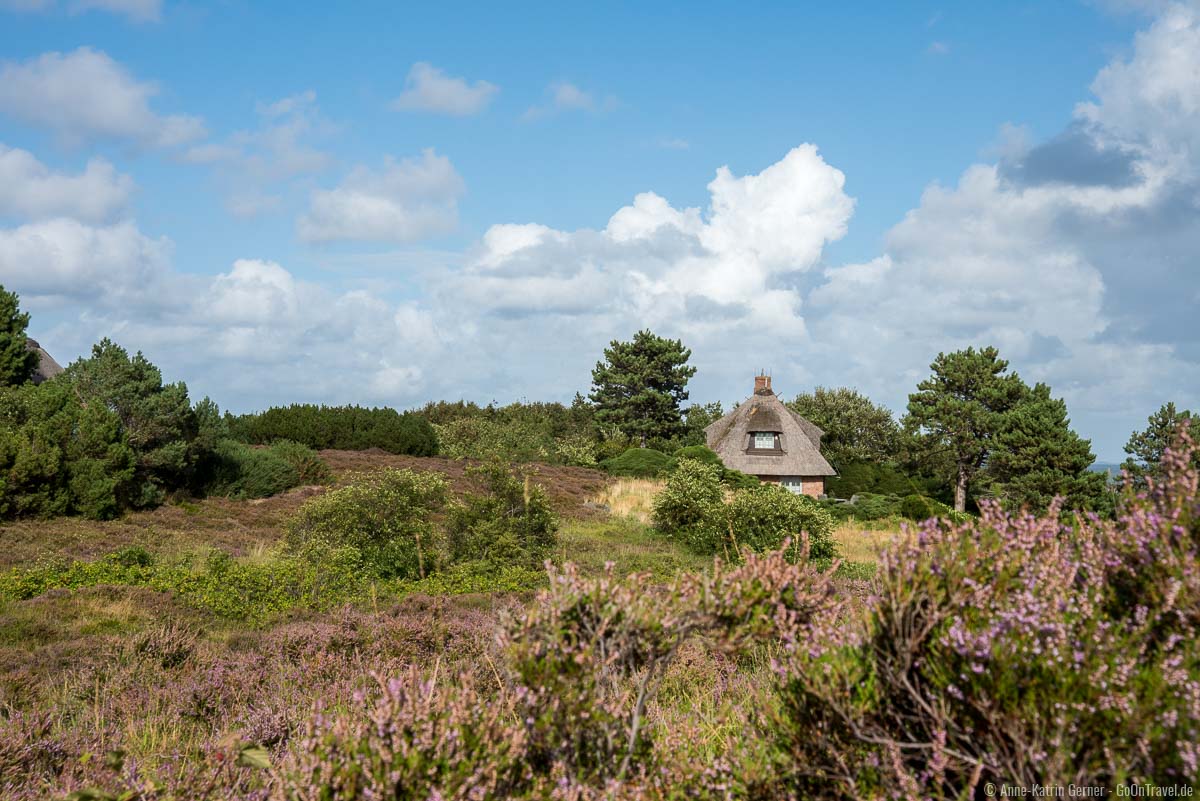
761, 436
793, 484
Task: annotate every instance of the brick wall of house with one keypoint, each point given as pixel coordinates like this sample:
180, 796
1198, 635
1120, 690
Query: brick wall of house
814, 486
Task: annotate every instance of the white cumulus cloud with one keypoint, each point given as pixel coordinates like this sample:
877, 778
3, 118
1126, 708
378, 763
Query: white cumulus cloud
85, 95
428, 88
31, 190
404, 201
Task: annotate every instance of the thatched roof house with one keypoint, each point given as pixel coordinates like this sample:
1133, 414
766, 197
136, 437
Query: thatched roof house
47, 368
765, 438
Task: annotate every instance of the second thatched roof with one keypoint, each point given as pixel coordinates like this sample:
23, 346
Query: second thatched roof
46, 368
797, 449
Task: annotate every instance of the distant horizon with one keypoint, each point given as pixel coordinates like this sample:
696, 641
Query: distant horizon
477, 200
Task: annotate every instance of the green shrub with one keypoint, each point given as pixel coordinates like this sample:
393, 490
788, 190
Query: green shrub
764, 516
689, 506
858, 477
239, 471
576, 449
510, 523
493, 438
639, 463
309, 466
384, 518
700, 453
341, 427
736, 479
916, 507
872, 506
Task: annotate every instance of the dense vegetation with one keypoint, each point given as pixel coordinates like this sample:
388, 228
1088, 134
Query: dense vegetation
344, 427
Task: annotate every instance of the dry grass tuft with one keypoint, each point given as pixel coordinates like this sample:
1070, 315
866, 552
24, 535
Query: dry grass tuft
632, 498
857, 543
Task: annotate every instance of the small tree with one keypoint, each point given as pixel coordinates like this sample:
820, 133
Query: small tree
1146, 448
1036, 457
962, 407
17, 361
856, 430
639, 386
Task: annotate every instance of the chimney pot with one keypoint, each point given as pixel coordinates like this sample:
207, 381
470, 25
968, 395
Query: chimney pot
762, 385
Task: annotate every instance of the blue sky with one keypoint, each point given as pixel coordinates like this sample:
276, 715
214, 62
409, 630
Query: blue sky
279, 202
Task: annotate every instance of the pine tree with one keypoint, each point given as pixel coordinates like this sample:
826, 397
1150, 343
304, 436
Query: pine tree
1036, 456
639, 386
961, 407
1146, 448
17, 361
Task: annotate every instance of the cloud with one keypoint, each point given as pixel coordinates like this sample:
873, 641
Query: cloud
31, 190
63, 260
136, 10
256, 165
405, 201
563, 96
428, 88
85, 95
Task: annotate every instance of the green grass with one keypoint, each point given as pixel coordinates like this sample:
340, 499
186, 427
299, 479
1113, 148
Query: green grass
631, 546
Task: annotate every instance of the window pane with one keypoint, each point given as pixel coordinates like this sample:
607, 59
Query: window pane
766, 440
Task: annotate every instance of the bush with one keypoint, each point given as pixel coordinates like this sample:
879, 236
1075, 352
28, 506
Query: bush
856, 478
309, 466
689, 506
872, 506
343, 427
576, 449
762, 517
384, 518
491, 438
916, 507
510, 523
240, 471
639, 463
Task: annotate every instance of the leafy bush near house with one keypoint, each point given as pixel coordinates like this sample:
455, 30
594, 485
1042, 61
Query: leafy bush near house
383, 518
340, 427
856, 478
689, 505
730, 478
639, 463
510, 522
691, 508
763, 517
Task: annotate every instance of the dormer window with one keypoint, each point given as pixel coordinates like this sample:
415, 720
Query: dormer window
764, 440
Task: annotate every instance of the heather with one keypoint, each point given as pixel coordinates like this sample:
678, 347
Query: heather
1014, 648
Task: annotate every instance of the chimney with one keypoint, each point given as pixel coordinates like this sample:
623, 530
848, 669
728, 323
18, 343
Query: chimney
762, 385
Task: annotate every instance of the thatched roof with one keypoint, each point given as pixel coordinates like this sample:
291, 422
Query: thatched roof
47, 368
799, 441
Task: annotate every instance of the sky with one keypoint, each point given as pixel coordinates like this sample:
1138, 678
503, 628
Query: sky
385, 204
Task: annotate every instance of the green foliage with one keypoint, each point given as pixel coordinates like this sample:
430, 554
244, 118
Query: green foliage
859, 477
485, 438
1146, 447
962, 407
639, 463
309, 466
17, 362
856, 429
639, 386
1036, 457
699, 453
916, 507
510, 522
240, 471
341, 427
218, 583
764, 516
689, 506
519, 432
476, 576
59, 457
696, 418
382, 519
156, 419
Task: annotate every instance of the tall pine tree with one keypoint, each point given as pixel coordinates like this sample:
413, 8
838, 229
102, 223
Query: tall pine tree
961, 408
639, 386
1036, 456
1146, 448
17, 361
